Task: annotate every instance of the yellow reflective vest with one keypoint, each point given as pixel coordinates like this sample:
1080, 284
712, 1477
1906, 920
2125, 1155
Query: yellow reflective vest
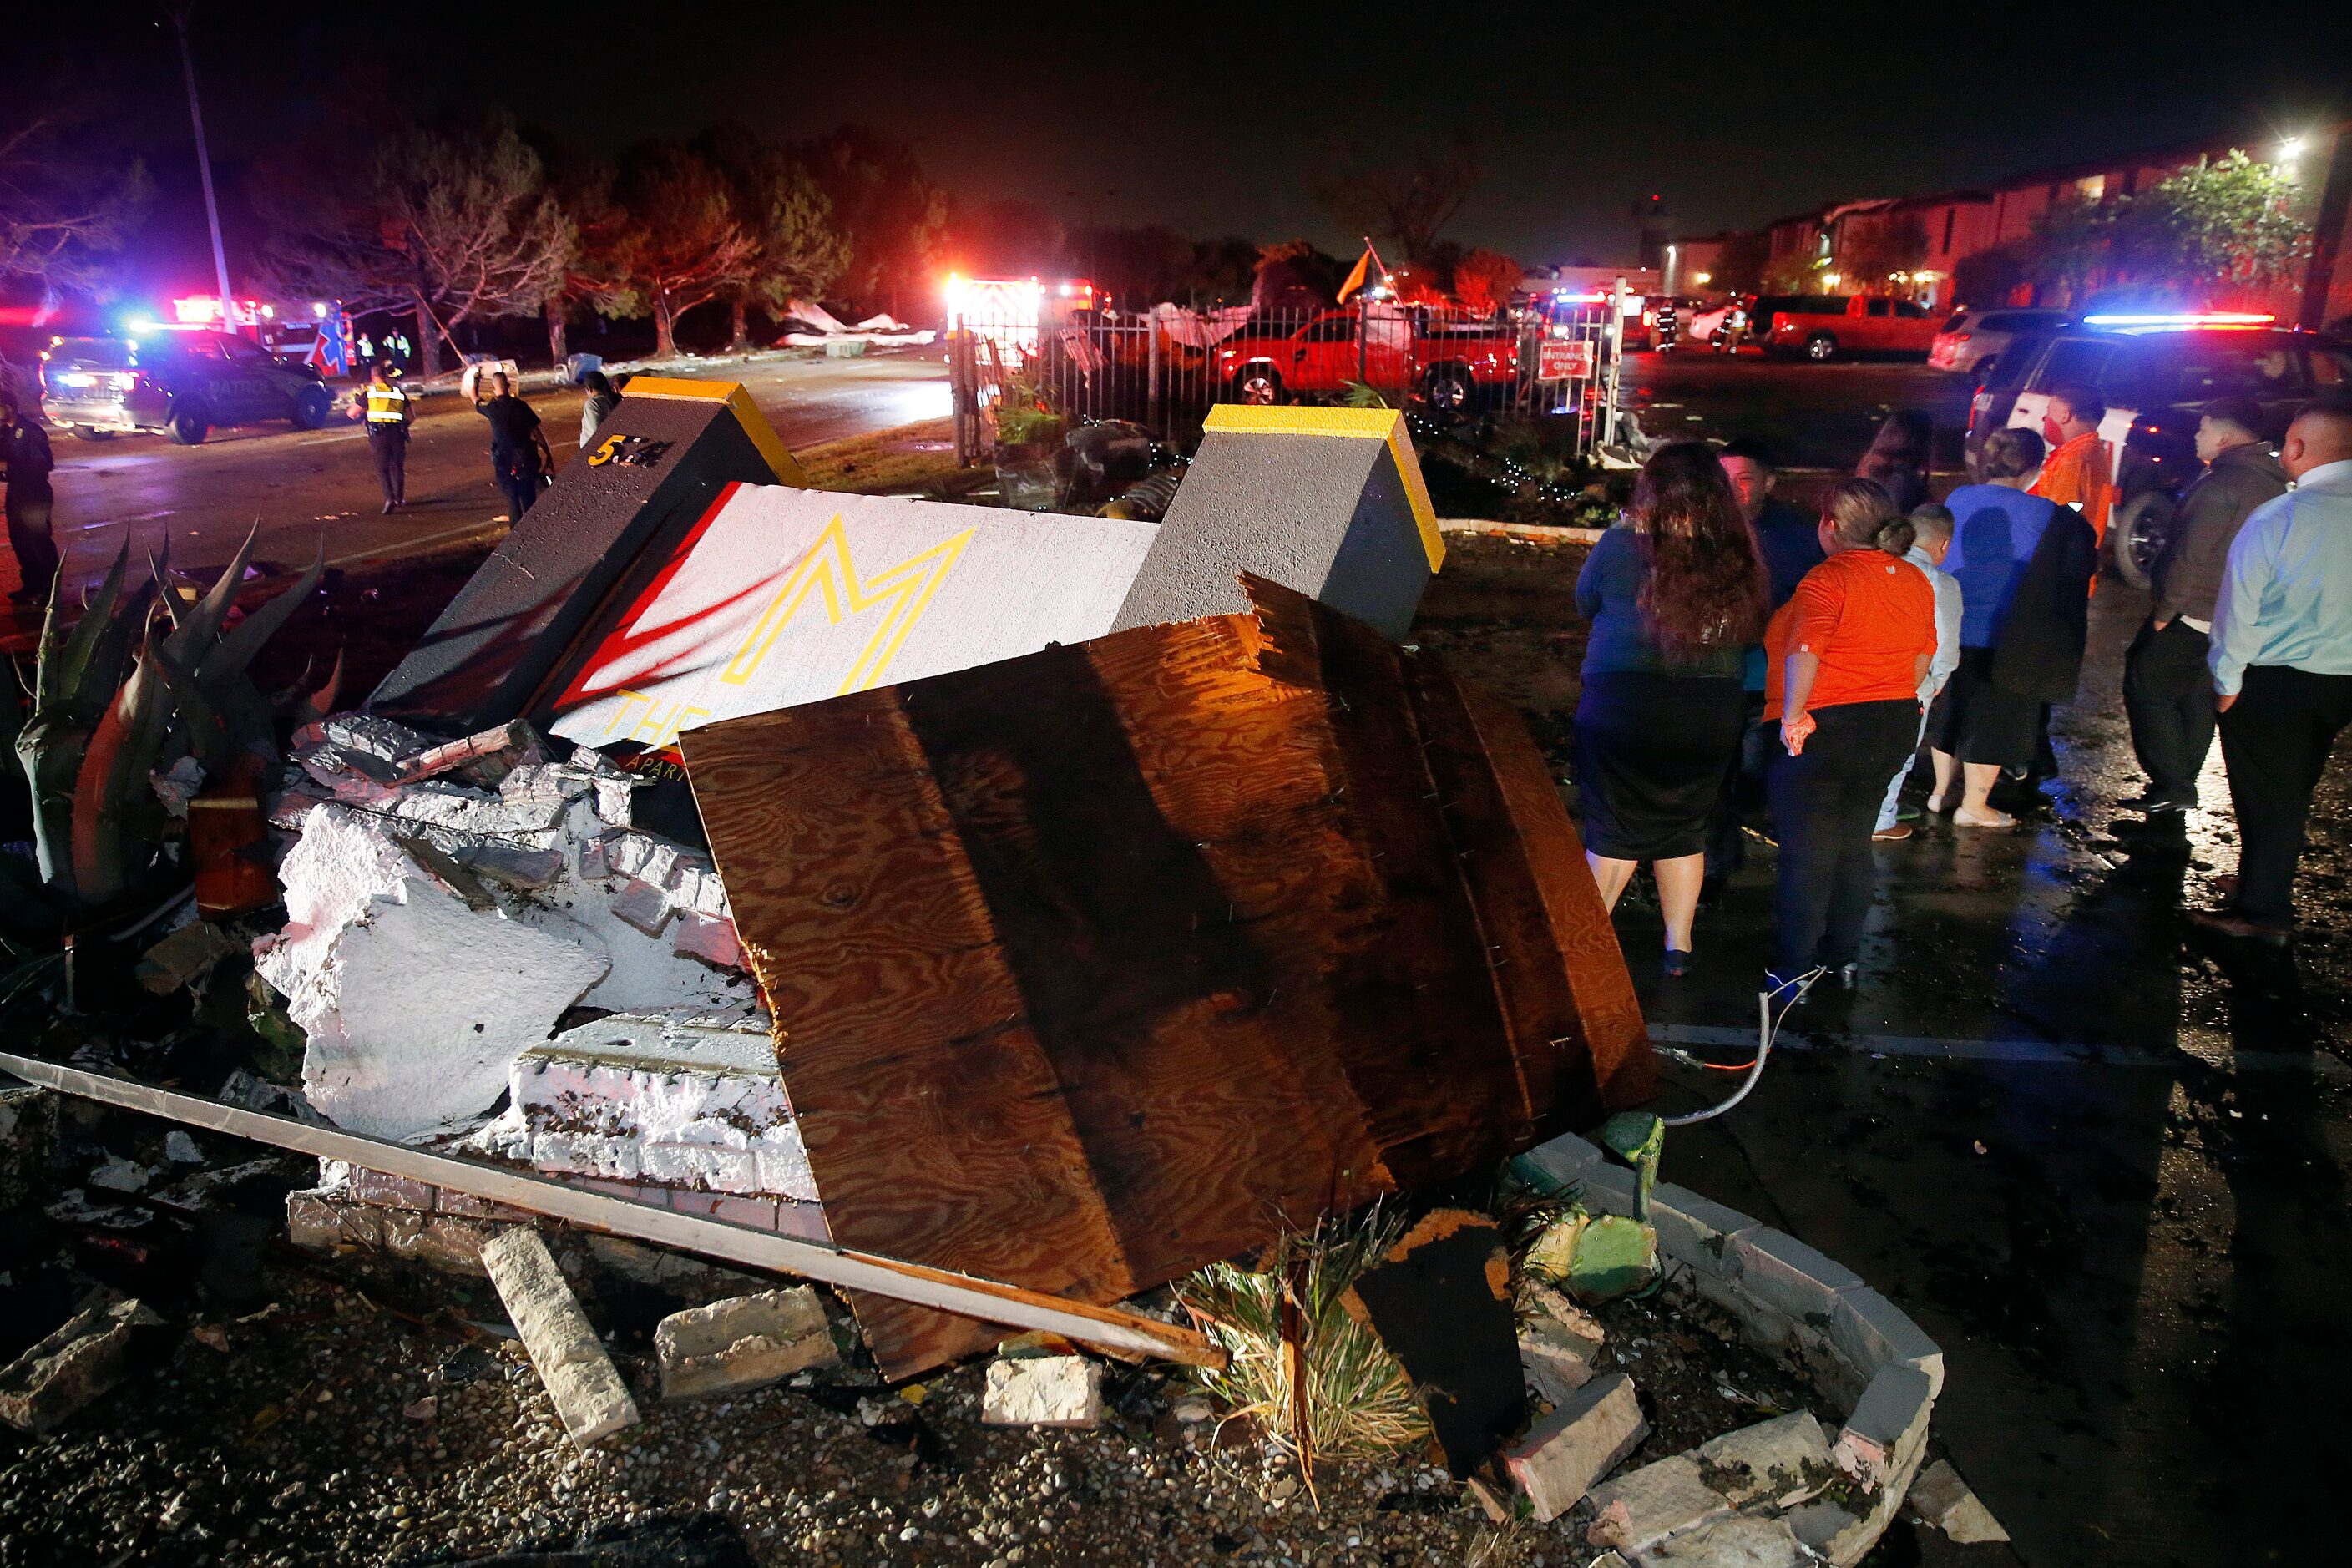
387, 406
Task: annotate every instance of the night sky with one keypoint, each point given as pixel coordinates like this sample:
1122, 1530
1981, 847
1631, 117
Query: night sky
1215, 119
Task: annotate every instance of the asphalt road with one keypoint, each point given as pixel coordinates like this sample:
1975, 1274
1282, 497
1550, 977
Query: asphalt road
1813, 415
297, 484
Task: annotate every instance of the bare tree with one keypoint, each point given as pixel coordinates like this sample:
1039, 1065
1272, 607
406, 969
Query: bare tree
451, 227
1410, 204
684, 245
60, 219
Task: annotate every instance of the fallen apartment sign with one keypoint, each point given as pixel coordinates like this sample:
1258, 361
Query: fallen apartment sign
1106, 1329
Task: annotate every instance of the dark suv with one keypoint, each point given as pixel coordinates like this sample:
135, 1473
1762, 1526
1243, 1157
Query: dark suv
181, 383
2156, 379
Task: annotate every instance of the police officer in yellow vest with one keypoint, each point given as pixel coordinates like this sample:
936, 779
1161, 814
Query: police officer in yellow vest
385, 407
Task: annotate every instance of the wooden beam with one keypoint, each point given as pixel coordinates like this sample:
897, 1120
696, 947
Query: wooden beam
1105, 1328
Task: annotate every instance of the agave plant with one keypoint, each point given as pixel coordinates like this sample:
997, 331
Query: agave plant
112, 699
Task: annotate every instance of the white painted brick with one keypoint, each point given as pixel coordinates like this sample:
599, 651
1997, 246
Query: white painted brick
1562, 1161
1888, 1428
1609, 1189
1697, 1230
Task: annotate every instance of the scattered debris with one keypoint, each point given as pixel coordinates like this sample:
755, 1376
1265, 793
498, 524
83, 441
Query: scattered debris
743, 1343
1781, 1462
184, 957
181, 1149
588, 1393
1740, 1541
1043, 1391
1941, 1498
117, 1174
82, 1359
1635, 1511
1558, 1341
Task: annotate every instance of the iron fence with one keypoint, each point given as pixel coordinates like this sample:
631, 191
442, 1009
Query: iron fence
1165, 368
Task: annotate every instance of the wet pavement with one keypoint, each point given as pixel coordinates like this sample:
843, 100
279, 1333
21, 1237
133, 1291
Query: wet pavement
2103, 1163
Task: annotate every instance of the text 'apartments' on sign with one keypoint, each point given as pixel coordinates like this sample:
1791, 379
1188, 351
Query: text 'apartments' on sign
781, 596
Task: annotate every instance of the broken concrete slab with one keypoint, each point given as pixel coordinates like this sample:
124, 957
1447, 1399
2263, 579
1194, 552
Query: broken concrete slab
1739, 1542
83, 1358
743, 1343
1634, 1512
332, 1224
1941, 1498
1043, 1391
1831, 1530
1889, 1425
1782, 1461
589, 1394
1557, 1347
1578, 1443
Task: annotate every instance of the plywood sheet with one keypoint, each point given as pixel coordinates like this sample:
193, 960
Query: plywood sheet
1097, 964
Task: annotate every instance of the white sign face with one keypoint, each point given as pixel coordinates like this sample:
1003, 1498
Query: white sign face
781, 596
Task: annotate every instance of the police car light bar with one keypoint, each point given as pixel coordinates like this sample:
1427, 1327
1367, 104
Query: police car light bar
2190, 319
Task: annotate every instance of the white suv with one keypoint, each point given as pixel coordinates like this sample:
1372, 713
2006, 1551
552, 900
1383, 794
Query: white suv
1972, 340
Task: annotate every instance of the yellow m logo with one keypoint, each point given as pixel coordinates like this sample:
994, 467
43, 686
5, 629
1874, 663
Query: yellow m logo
828, 569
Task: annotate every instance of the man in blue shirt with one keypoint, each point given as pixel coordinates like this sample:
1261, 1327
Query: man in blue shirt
2282, 661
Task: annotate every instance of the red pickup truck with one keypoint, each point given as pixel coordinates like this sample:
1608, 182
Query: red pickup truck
1450, 363
1824, 326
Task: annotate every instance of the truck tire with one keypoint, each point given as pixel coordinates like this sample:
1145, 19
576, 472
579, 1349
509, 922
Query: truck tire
2137, 535
1822, 347
1450, 388
313, 406
1258, 383
190, 423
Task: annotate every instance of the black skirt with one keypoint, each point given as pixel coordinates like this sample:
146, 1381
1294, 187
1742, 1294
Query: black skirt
1652, 752
1983, 722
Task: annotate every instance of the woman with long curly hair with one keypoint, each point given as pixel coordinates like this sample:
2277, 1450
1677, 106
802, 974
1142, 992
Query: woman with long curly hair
1673, 594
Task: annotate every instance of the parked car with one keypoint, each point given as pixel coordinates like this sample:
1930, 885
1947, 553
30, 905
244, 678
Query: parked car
183, 384
1450, 363
1971, 338
2156, 374
1824, 326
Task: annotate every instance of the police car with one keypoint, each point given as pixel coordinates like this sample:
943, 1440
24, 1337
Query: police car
2156, 372
185, 382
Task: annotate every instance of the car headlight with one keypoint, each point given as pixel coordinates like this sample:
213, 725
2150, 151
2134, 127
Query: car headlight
124, 380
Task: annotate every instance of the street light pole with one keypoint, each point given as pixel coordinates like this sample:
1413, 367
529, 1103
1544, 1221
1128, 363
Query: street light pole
180, 15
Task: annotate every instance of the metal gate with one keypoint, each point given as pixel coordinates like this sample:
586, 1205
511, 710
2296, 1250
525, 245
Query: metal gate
1165, 368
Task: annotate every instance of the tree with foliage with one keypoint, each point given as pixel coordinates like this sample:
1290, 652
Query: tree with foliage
800, 252
1485, 279
1408, 203
895, 220
1872, 247
1740, 265
683, 243
455, 225
60, 218
2220, 222
583, 189
1292, 275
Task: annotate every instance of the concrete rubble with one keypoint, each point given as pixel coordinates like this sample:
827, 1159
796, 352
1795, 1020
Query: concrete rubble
1637, 1510
1782, 1461
743, 1343
82, 1359
1581, 1441
1941, 1498
589, 1394
1043, 1391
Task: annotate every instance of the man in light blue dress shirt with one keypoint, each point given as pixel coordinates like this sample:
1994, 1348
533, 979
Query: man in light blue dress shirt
2282, 661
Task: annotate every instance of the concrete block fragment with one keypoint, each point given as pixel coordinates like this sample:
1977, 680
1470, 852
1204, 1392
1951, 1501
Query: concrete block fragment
1043, 1391
1830, 1530
1941, 1498
1558, 1362
1782, 1461
713, 941
1696, 1230
28, 1116
743, 1343
1634, 1512
1784, 1273
588, 1393
82, 1359
643, 905
1585, 1437
331, 1223
363, 1186
1870, 1332
1739, 1542
1888, 1427
1559, 1165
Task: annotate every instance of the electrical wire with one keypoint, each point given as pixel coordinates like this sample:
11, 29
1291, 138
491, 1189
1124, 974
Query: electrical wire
1768, 1026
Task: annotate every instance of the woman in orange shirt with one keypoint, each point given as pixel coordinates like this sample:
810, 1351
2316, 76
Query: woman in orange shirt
1846, 656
